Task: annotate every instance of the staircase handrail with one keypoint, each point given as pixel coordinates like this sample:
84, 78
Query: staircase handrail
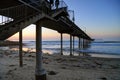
17, 21
30, 5
21, 11
9, 14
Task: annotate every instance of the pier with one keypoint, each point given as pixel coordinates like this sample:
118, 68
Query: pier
15, 15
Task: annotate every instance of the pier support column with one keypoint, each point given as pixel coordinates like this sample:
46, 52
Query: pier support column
73, 44
70, 45
61, 43
40, 73
20, 49
87, 43
83, 46
79, 43
82, 43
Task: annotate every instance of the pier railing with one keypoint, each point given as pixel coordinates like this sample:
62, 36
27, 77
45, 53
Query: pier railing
38, 5
62, 4
10, 14
71, 15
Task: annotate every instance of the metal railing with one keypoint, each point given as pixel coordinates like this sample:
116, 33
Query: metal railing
38, 5
62, 4
4, 20
71, 15
8, 15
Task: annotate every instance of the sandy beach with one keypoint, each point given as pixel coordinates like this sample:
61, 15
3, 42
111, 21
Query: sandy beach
60, 39
58, 67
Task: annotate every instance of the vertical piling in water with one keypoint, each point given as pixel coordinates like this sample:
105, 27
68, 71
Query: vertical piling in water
83, 46
79, 45
70, 45
83, 43
73, 44
61, 43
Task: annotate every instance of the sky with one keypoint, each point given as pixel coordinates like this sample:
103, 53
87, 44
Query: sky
100, 19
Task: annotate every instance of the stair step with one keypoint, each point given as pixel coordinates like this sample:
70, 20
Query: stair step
14, 26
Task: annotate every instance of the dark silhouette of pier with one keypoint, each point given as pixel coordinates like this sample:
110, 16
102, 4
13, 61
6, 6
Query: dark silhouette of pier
15, 15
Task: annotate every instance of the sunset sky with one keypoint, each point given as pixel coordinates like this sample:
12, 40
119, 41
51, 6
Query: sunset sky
99, 18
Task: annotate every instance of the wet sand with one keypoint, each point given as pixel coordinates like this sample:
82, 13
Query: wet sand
59, 67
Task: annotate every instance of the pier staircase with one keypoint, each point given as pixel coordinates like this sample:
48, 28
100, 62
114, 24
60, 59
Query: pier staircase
17, 17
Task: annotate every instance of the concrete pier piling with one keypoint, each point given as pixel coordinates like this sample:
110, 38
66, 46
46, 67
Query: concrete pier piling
40, 73
20, 49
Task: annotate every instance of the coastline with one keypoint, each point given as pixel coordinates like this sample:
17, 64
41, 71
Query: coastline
59, 67
15, 48
29, 46
105, 55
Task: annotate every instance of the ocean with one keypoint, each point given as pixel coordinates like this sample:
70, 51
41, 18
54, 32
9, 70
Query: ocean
96, 48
